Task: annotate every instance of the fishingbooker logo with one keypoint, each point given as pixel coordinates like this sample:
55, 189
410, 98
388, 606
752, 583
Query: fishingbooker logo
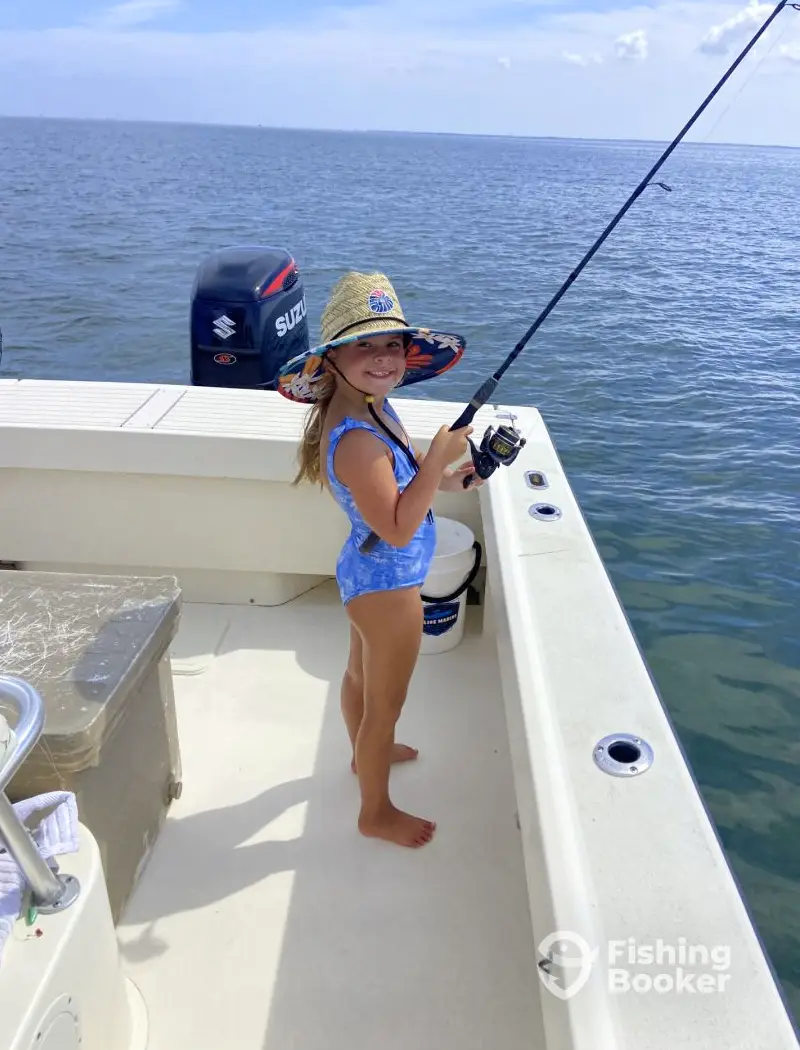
286, 322
566, 963
678, 968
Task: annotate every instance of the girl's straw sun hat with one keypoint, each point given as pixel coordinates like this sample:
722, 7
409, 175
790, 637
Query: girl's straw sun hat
363, 304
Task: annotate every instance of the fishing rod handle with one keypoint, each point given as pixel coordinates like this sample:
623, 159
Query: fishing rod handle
478, 400
466, 417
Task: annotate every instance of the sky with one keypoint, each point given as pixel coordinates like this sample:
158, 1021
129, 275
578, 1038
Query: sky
567, 68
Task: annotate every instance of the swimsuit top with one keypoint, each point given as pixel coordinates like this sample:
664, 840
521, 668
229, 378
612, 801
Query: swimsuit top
404, 471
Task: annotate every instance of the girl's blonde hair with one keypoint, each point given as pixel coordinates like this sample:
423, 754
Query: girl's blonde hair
308, 455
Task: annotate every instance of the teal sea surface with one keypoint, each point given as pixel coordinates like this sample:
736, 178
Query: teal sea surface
669, 375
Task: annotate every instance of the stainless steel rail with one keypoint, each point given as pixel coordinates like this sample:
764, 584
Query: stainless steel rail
51, 892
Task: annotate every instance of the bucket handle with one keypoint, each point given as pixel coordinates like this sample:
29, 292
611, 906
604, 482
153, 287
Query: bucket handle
460, 590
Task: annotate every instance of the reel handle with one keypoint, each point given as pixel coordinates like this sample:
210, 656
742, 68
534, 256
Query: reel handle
475, 453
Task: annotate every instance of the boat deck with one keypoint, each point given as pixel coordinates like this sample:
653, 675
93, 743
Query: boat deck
264, 920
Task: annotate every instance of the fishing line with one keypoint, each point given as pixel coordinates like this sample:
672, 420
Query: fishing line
503, 447
750, 76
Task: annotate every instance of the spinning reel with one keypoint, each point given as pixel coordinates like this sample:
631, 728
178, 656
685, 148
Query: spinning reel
499, 447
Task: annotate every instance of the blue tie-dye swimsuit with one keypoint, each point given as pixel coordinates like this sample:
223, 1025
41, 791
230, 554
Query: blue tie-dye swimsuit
385, 568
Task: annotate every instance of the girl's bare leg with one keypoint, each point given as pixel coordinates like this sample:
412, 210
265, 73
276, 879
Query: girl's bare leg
353, 701
389, 624
353, 688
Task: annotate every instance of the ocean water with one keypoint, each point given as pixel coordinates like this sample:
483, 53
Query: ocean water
669, 375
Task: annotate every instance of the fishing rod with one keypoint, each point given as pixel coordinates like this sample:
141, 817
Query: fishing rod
500, 447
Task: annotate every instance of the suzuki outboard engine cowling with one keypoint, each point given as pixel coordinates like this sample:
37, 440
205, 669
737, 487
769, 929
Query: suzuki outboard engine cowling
248, 317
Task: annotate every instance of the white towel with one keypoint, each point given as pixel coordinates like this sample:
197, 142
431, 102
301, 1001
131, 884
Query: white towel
56, 834
7, 740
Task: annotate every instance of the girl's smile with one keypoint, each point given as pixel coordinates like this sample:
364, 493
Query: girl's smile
374, 365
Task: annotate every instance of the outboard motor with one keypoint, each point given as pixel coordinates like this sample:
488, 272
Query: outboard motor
248, 317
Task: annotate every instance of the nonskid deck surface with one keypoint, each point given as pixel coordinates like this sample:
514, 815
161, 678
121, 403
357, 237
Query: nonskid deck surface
264, 920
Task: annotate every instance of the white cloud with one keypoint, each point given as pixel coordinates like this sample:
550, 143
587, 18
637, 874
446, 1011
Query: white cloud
445, 72
133, 13
790, 53
632, 46
720, 38
582, 60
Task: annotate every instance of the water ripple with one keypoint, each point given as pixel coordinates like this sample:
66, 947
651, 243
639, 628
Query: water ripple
668, 375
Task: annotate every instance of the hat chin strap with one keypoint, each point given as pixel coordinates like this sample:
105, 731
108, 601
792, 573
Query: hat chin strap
370, 400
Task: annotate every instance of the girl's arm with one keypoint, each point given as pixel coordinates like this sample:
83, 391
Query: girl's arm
362, 463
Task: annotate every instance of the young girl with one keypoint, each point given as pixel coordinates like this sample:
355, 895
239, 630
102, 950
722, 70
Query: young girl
355, 443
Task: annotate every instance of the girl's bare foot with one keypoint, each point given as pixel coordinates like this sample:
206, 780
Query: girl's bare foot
400, 753
394, 825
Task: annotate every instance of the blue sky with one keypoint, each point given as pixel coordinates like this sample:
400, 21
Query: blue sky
590, 68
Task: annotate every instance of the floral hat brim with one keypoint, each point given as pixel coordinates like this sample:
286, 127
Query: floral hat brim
429, 354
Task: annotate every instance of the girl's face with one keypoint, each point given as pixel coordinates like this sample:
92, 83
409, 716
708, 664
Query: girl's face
375, 364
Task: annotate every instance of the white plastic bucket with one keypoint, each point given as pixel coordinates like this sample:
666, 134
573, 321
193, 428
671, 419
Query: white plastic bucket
455, 564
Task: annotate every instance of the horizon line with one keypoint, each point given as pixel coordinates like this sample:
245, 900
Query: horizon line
389, 131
